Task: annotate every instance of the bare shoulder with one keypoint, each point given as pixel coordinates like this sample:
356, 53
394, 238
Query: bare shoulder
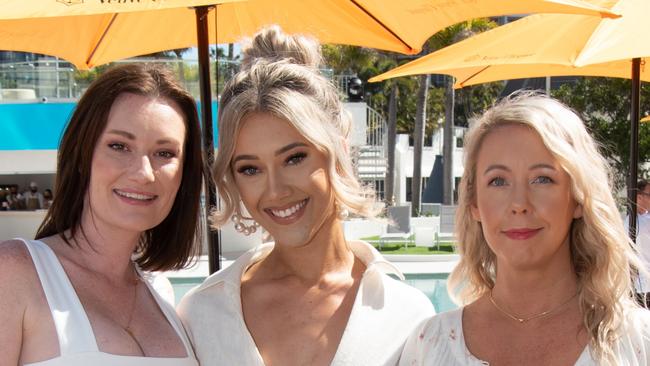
16, 268
18, 290
14, 256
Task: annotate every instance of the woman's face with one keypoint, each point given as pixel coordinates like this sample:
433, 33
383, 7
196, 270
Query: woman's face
282, 179
137, 164
523, 200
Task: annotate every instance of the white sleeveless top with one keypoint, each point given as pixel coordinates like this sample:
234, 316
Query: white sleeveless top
77, 343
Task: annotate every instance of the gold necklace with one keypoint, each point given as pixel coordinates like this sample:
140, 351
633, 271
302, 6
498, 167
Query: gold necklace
539, 315
127, 328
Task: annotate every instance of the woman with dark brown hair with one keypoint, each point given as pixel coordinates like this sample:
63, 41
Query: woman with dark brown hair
128, 182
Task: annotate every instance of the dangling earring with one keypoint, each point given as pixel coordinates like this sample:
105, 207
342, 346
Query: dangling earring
341, 211
237, 218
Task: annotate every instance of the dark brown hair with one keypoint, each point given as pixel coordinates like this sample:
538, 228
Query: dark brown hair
171, 244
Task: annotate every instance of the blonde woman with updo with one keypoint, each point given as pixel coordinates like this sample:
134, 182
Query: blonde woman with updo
311, 297
544, 275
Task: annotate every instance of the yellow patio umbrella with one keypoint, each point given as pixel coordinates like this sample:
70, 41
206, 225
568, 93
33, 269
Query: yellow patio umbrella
93, 32
554, 45
544, 45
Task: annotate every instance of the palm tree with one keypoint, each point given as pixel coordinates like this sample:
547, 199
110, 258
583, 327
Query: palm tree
439, 40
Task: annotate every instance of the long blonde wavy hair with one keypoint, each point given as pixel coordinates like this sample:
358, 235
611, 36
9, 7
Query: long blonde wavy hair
601, 253
279, 75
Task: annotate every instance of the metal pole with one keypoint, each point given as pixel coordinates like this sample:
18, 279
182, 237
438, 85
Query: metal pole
214, 249
634, 147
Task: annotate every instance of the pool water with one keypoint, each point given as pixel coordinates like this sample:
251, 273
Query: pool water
433, 285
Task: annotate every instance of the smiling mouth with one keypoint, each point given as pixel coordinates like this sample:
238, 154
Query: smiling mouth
135, 196
289, 212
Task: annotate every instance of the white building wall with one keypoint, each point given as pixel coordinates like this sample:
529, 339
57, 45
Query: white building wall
27, 162
358, 112
404, 154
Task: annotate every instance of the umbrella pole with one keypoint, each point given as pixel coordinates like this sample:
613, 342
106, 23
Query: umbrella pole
634, 146
214, 251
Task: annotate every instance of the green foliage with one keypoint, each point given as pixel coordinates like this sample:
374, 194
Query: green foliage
412, 249
366, 63
343, 59
474, 100
604, 106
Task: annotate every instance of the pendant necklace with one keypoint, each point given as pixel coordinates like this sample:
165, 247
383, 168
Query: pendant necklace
535, 316
127, 328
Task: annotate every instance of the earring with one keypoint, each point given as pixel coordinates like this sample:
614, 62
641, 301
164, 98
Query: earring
237, 218
342, 212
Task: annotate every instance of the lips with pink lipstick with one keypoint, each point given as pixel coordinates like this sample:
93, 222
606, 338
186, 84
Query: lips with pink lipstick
287, 214
134, 197
521, 233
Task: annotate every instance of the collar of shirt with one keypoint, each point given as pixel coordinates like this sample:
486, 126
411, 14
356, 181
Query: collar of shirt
370, 257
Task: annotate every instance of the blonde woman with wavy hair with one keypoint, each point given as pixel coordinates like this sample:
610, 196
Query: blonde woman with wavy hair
544, 274
311, 297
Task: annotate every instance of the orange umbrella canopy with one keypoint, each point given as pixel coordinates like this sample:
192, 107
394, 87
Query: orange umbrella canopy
545, 45
93, 32
554, 45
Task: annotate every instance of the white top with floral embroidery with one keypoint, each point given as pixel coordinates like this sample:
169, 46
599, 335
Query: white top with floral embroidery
440, 341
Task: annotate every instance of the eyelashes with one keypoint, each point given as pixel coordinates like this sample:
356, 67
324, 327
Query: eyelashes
291, 160
296, 158
500, 181
247, 170
121, 147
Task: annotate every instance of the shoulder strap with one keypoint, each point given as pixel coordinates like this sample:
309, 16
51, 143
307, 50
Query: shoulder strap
72, 325
168, 311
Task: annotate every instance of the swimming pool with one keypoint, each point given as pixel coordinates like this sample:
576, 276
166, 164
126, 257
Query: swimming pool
433, 285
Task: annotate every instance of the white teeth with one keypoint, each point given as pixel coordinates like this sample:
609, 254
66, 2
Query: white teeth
136, 196
289, 211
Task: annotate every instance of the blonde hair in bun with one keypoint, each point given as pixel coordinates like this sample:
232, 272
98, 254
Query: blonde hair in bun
271, 44
279, 76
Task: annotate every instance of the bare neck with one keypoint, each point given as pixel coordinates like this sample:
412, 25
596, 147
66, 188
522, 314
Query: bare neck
102, 249
534, 290
325, 254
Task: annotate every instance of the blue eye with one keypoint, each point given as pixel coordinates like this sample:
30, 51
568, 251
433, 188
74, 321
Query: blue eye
248, 170
542, 180
296, 158
497, 182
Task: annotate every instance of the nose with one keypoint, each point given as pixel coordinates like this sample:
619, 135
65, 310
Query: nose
277, 186
142, 171
520, 202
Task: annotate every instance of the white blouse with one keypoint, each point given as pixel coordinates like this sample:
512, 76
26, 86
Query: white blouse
440, 341
384, 313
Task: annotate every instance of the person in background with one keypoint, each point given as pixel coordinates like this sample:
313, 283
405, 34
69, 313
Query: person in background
33, 198
4, 205
545, 260
15, 199
47, 198
311, 297
129, 177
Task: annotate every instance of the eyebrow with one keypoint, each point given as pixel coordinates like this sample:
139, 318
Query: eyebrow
289, 147
280, 151
131, 137
503, 167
